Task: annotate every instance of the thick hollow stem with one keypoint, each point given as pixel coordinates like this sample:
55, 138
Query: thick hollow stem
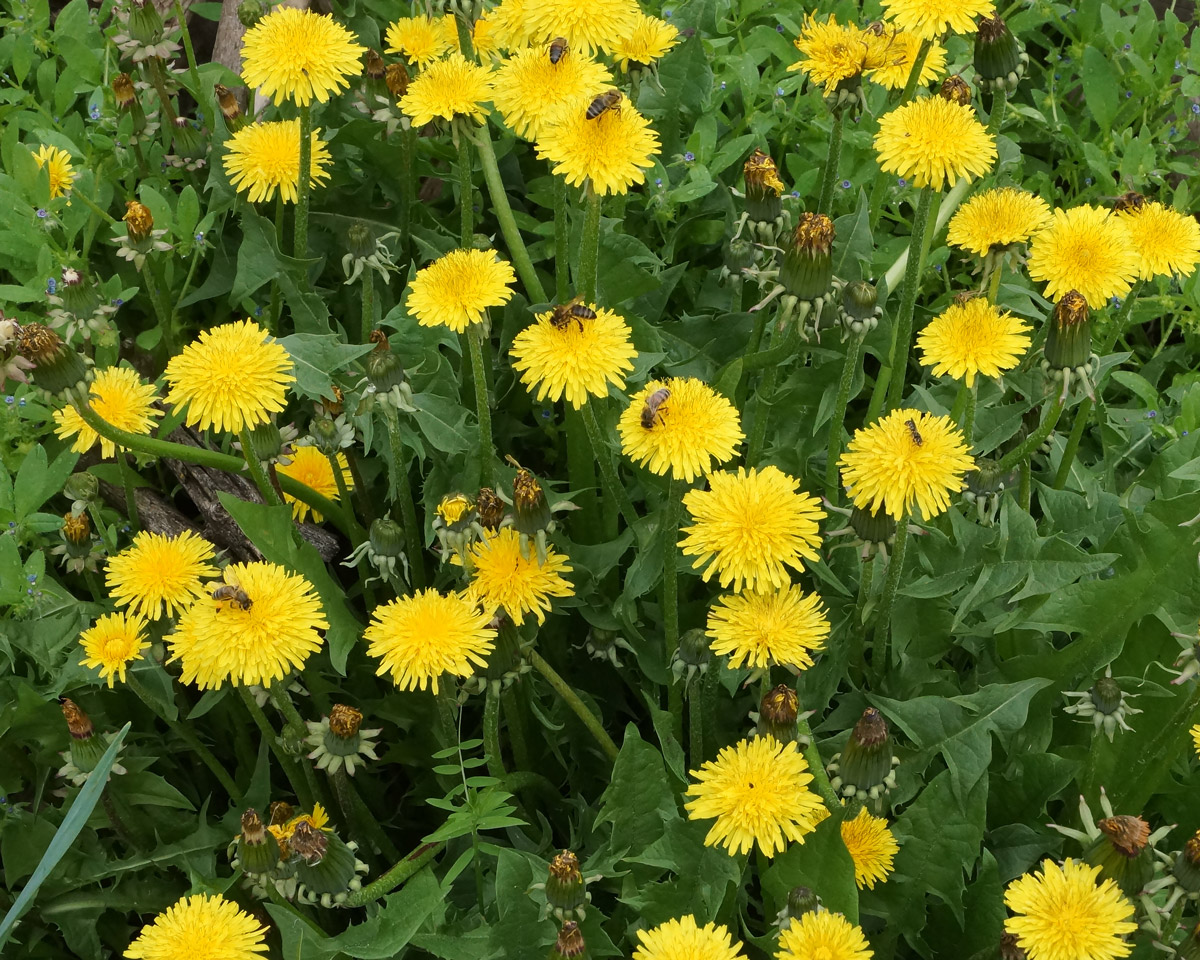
999, 104
562, 233
1034, 440
578, 707
968, 420
608, 470
820, 778
303, 185
883, 623
831, 163
492, 750
362, 820
836, 424
408, 509
589, 247
670, 593
762, 413
131, 509
508, 225
466, 211
898, 361
396, 876
483, 408
255, 468
368, 304
581, 472
1082, 414
408, 191
188, 49
914, 74
358, 535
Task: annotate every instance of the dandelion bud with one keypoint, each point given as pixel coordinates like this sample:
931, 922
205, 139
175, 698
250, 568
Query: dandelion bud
57, 366
807, 268
529, 504
396, 78
123, 90
1010, 949
385, 370
999, 60
454, 510
375, 68
1120, 853
138, 221
763, 188
1186, 868
955, 89
336, 404
266, 440
865, 770
565, 892
872, 527
985, 488
145, 24
1069, 338
802, 900
257, 848
250, 12
79, 724
86, 747
491, 509
329, 870
1106, 704
76, 529
777, 714
860, 310
81, 487
692, 656
228, 102
569, 945
1190, 948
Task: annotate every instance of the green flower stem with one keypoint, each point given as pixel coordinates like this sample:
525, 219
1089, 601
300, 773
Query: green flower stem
403, 871
960, 402
270, 498
361, 496
1034, 440
589, 247
154, 66
157, 292
514, 717
205, 458
562, 233
276, 292
883, 623
408, 508
696, 723
508, 226
776, 354
92, 205
303, 185
902, 333
817, 767
762, 413
299, 786
408, 191
866, 578
1026, 491
994, 282
185, 733
483, 408
187, 282
578, 707
109, 539
670, 593
446, 704
466, 211
949, 203
968, 420
999, 104
492, 750
756, 336
582, 474
357, 533
131, 509
914, 74
368, 304
604, 456
836, 424
831, 162
359, 819
188, 49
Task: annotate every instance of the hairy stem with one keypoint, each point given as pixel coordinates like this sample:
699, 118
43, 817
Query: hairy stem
883, 623
604, 456
408, 508
898, 360
828, 178
503, 211
483, 408
837, 423
299, 787
303, 185
562, 233
395, 877
255, 467
578, 707
589, 248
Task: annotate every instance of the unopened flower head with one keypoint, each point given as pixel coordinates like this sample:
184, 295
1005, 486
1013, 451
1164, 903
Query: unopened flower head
160, 576
299, 55
681, 426
933, 142
264, 157
120, 398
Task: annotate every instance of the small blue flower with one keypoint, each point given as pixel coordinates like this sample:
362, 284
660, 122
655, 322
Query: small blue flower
1087, 181
546, 414
1114, 301
1174, 131
937, 267
658, 181
10, 400
902, 182
1196, 108
31, 577
30, 591
42, 214
199, 117
1152, 414
51, 286
779, 91
1185, 433
779, 28
1128, 94
689, 156
668, 14
118, 302
796, 194
722, 84
21, 402
200, 237
1128, 46
12, 524
846, 184
1058, 76
94, 111
258, 311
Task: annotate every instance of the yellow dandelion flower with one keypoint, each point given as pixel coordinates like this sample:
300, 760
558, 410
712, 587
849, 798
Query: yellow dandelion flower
898, 52
833, 52
510, 24
757, 790
483, 36
972, 338
264, 157
871, 847
158, 576
298, 55
1062, 913
933, 142
781, 627
929, 19
681, 425
750, 526
57, 162
505, 577
420, 637
113, 642
649, 40
530, 90
612, 150
235, 375
1196, 738
1166, 242
200, 926
226, 639
886, 466
997, 218
597, 24
312, 468
682, 939
455, 290
421, 40
578, 358
318, 820
120, 398
448, 88
1086, 249
823, 936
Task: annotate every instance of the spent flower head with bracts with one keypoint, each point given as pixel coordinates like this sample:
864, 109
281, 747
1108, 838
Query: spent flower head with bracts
680, 426
683, 939
610, 151
313, 468
119, 397
421, 40
973, 338
934, 142
822, 935
530, 90
1166, 243
997, 219
999, 60
871, 846
777, 716
159, 576
457, 289
56, 366
505, 577
781, 627
1105, 704
112, 643
299, 55
929, 19
339, 741
262, 158
1086, 249
446, 89
866, 769
200, 926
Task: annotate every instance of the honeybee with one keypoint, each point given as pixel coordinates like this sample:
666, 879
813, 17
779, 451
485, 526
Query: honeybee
650, 410
558, 49
606, 101
574, 310
234, 594
1129, 202
916, 435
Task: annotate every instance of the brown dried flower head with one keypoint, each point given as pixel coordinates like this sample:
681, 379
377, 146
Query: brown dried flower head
1128, 834
78, 722
344, 721
138, 220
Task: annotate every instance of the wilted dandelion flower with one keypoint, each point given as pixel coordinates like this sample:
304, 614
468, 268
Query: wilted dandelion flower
503, 577
1165, 242
833, 52
757, 790
972, 338
612, 151
597, 24
1086, 249
57, 163
574, 359
781, 627
929, 19
113, 642
898, 52
120, 398
997, 218
456, 290
530, 90
750, 526
224, 639
1063, 914
682, 939
298, 55
312, 468
446, 89
648, 41
871, 846
158, 575
680, 425
822, 935
197, 927
421, 40
932, 142
264, 157
420, 637
235, 375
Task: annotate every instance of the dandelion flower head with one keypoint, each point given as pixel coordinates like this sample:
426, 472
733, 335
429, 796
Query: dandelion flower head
483, 36
933, 141
650, 40
312, 468
682, 939
757, 791
749, 527
159, 576
612, 150
871, 847
997, 218
886, 466
929, 19
508, 576
894, 55
113, 642
530, 90
822, 935
298, 55
510, 24
120, 398
1062, 913
201, 927
421, 40
691, 430
1165, 242
1087, 249
446, 89
264, 157
575, 359
420, 637
834, 52
597, 24
781, 627
973, 338
57, 163
456, 290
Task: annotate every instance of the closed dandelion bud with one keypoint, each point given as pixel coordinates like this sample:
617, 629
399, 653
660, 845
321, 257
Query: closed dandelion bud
490, 508
266, 440
859, 299
77, 294
739, 255
778, 712
1190, 948
145, 24
257, 849
138, 221
530, 507
1069, 338
802, 900
76, 529
228, 102
872, 527
250, 12
999, 60
692, 656
360, 241
569, 945
865, 769
807, 269
82, 488
763, 188
387, 537
384, 368
185, 141
955, 89
396, 78
326, 435
1186, 869
1105, 704
985, 488
56, 366
565, 892
86, 747
374, 68
1120, 853
123, 90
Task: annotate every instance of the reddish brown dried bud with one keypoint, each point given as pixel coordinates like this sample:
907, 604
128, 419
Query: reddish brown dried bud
565, 868
1128, 834
253, 831
38, 343
138, 220
123, 90
1071, 310
309, 843
375, 68
814, 234
569, 944
281, 812
871, 729
344, 721
490, 508
76, 528
780, 706
78, 722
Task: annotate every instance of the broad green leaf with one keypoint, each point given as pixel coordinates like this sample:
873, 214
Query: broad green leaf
701, 881
821, 862
315, 357
639, 801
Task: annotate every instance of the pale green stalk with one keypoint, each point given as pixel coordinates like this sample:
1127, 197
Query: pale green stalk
255, 467
883, 623
503, 211
898, 360
303, 185
837, 423
483, 408
578, 707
